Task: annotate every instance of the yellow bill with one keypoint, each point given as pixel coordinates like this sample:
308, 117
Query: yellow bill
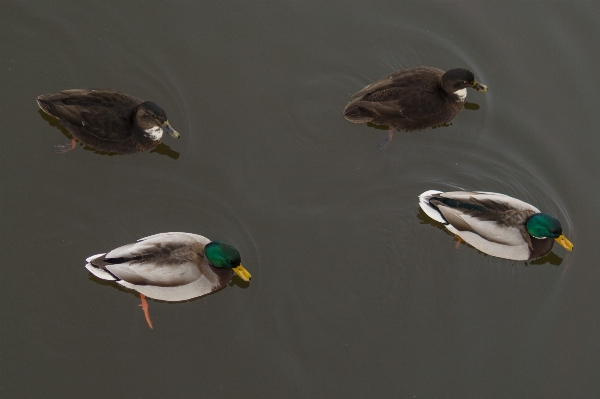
245, 275
566, 244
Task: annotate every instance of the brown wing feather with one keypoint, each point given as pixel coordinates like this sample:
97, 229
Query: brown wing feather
405, 78
121, 104
99, 118
100, 122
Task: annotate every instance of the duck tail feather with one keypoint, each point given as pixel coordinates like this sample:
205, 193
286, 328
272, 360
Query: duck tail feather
356, 114
429, 209
45, 105
100, 273
91, 258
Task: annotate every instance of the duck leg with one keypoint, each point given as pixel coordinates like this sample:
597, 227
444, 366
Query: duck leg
61, 149
384, 143
458, 241
144, 306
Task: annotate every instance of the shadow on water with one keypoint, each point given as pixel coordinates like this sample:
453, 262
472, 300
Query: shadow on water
137, 295
550, 258
161, 149
54, 123
234, 281
471, 106
383, 143
111, 284
386, 127
378, 127
442, 125
164, 149
424, 219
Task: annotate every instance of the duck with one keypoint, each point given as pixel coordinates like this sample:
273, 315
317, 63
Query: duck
495, 224
412, 99
170, 267
107, 120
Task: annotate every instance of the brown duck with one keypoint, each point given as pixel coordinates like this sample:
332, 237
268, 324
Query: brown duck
107, 120
412, 99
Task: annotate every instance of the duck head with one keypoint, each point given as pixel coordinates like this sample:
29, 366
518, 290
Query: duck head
221, 254
542, 225
459, 78
153, 120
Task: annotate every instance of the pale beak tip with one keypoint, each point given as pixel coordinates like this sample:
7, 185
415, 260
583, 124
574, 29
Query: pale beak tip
565, 243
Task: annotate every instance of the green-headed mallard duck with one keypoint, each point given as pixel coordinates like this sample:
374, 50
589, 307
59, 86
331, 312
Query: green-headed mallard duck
107, 120
495, 224
412, 99
170, 266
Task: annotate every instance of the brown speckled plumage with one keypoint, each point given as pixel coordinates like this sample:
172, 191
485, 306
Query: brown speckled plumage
410, 99
106, 120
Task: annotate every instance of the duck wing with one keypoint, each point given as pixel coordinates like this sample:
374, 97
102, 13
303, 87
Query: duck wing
121, 104
104, 114
413, 94
493, 223
491, 200
426, 77
411, 105
167, 259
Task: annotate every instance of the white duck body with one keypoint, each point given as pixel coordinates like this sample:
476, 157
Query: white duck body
166, 266
491, 222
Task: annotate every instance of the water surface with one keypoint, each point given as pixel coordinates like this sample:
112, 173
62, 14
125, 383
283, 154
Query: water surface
354, 293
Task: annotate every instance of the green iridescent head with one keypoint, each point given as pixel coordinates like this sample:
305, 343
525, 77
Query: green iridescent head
220, 254
542, 225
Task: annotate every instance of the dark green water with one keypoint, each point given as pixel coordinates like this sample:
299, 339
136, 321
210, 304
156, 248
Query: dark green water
355, 293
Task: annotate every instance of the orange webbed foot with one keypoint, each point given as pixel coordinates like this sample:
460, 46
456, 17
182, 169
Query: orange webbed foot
61, 149
382, 145
458, 241
144, 306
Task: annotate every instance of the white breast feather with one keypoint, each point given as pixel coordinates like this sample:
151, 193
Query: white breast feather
462, 94
155, 133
